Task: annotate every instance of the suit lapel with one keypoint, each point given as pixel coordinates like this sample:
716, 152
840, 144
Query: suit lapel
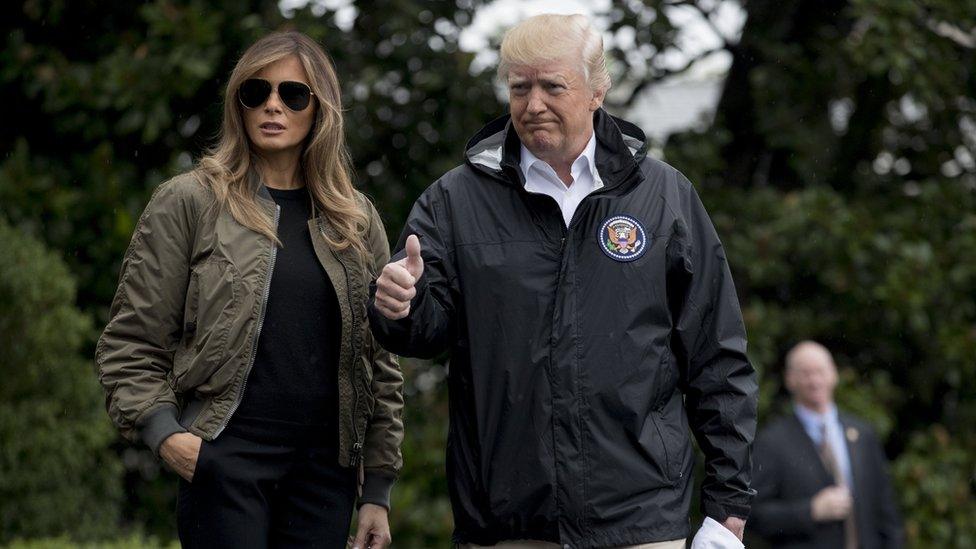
852, 438
802, 440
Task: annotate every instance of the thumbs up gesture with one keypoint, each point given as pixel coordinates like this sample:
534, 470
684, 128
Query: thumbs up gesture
395, 286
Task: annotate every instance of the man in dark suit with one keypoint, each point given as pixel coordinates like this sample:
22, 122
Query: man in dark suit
821, 476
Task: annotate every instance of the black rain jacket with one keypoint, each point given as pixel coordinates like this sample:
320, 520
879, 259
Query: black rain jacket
574, 376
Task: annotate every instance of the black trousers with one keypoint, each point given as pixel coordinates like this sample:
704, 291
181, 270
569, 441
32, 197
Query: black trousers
252, 492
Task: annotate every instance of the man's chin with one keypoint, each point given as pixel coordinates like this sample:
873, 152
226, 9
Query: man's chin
540, 146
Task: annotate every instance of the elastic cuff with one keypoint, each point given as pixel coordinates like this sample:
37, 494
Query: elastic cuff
721, 511
158, 425
377, 486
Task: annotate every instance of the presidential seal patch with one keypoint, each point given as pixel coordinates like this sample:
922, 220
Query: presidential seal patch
622, 238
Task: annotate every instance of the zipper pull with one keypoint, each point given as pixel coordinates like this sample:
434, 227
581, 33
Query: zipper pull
361, 480
357, 451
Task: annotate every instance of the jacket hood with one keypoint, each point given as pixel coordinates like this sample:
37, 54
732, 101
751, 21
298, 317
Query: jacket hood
621, 145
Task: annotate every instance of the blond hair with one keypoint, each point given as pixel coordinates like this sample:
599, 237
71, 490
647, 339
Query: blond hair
325, 162
548, 37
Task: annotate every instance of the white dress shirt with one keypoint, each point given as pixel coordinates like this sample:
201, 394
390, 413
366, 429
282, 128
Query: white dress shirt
541, 178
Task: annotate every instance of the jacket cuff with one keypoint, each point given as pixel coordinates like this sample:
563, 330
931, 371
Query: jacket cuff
377, 485
158, 425
721, 511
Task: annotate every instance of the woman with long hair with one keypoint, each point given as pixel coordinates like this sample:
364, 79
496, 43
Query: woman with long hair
238, 348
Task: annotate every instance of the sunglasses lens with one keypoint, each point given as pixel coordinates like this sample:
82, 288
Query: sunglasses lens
295, 95
254, 92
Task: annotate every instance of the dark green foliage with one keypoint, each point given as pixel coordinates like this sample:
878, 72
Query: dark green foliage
130, 542
410, 98
421, 508
935, 478
892, 301
57, 472
838, 169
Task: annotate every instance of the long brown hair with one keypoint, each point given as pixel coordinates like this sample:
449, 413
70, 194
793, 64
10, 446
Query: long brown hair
325, 161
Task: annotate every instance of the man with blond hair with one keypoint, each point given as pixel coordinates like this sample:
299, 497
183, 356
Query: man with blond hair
590, 315
821, 474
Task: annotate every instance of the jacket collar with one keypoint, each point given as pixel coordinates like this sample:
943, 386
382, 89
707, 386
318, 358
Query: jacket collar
318, 221
255, 184
496, 149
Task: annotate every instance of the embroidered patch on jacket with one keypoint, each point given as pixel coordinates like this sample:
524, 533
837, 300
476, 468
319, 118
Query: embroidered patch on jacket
622, 238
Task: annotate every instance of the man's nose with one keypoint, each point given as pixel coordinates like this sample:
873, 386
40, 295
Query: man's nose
537, 102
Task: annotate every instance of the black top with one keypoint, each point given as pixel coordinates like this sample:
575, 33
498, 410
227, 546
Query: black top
293, 385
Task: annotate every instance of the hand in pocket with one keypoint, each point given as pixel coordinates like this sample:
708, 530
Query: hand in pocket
180, 451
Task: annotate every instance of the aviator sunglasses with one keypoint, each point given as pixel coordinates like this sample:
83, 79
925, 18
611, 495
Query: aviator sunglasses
255, 91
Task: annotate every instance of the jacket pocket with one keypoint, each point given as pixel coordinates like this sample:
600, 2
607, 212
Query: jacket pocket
665, 379
667, 466
184, 355
190, 308
212, 305
366, 377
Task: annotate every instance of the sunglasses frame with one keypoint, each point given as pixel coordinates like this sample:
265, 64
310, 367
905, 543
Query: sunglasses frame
274, 89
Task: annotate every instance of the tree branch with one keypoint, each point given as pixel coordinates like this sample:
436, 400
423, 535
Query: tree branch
706, 15
663, 74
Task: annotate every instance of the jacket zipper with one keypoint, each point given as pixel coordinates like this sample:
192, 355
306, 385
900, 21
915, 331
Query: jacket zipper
357, 446
555, 307
257, 331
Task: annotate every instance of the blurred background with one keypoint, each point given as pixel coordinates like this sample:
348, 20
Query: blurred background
833, 142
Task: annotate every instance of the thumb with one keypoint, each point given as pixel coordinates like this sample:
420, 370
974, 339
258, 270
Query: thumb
362, 530
415, 263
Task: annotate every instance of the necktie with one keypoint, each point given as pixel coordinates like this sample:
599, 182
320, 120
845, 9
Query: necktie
829, 459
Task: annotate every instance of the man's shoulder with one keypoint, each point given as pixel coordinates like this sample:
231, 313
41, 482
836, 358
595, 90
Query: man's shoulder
670, 181
459, 179
778, 428
458, 175
652, 165
776, 440
859, 424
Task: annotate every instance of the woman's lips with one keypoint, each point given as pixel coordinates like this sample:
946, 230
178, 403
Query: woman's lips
271, 128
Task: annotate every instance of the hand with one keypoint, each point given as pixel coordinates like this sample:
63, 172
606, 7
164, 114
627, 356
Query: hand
180, 451
373, 529
395, 286
831, 503
735, 525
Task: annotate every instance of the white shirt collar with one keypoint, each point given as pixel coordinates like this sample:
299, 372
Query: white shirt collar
814, 421
588, 158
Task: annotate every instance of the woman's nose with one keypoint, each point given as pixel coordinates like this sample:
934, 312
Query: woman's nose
273, 103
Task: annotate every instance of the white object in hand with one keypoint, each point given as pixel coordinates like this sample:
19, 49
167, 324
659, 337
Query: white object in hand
713, 535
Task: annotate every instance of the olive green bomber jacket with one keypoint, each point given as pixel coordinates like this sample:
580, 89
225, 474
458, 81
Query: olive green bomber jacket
185, 321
